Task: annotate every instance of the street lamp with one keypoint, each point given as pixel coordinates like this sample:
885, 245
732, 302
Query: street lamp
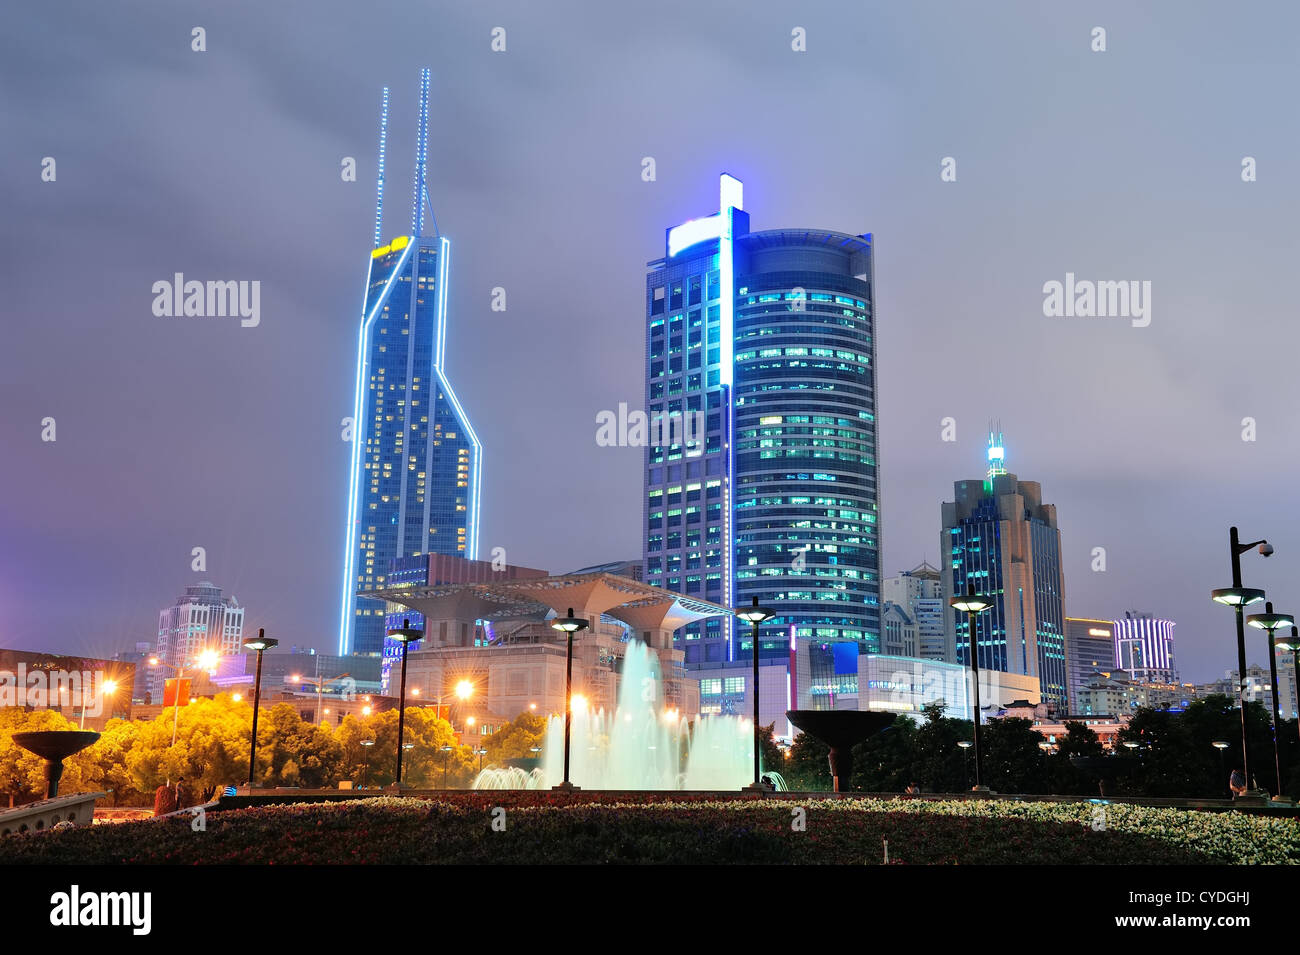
965, 745
408, 747
481, 753
107, 688
365, 778
1271, 622
320, 683
754, 615
1221, 745
973, 604
1292, 644
446, 755
206, 660
405, 635
260, 644
568, 625
1238, 597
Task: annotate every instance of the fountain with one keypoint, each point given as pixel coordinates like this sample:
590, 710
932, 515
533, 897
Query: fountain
643, 744
841, 730
54, 746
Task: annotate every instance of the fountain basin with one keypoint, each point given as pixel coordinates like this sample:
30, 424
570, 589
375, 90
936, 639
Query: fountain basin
841, 730
54, 746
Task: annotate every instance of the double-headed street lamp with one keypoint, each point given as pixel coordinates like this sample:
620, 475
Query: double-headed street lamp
754, 615
405, 635
1238, 597
260, 644
972, 605
568, 625
1271, 622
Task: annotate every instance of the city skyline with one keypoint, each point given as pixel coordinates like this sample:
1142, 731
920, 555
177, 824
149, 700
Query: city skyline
1136, 444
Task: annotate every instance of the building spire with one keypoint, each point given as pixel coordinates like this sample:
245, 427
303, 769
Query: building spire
379, 188
421, 159
997, 451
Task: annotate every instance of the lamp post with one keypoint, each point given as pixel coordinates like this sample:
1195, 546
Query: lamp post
446, 755
260, 644
754, 615
405, 635
972, 604
408, 747
320, 683
206, 660
1292, 644
1221, 745
1271, 622
365, 775
965, 745
481, 753
1238, 597
569, 625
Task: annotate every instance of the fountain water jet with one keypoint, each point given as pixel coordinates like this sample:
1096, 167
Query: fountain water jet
643, 744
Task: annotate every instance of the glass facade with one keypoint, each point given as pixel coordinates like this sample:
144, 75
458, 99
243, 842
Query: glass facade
416, 462
766, 338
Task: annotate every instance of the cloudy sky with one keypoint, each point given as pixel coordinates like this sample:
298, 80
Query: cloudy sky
225, 164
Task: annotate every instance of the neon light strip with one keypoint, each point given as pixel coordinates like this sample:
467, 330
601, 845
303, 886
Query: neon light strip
383, 149
363, 358
444, 267
421, 158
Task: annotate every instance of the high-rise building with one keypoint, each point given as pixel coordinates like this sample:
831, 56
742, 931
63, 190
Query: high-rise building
760, 379
1000, 536
416, 462
1144, 645
919, 591
1089, 653
203, 618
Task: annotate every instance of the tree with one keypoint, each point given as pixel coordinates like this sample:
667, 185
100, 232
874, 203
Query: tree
516, 739
1013, 761
1079, 740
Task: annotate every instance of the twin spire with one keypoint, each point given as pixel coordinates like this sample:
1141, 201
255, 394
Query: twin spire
420, 190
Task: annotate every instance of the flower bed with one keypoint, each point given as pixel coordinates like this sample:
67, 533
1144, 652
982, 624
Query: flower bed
545, 828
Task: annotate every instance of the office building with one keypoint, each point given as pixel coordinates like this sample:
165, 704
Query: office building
761, 472
203, 618
999, 536
1144, 645
416, 462
919, 592
1089, 653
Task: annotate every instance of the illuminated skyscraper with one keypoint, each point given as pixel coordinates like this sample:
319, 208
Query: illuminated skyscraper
202, 619
416, 463
999, 535
761, 346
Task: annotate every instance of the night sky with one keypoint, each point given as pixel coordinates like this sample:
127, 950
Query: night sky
174, 433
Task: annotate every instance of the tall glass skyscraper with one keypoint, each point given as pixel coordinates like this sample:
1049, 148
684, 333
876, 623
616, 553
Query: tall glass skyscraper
416, 462
999, 535
766, 339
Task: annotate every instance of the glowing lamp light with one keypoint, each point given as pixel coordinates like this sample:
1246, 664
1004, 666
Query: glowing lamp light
578, 703
208, 660
236, 697
570, 623
1237, 596
1270, 621
109, 687
464, 689
970, 603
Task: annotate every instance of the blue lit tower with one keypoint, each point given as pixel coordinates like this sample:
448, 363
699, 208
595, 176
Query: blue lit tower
766, 339
999, 535
416, 463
